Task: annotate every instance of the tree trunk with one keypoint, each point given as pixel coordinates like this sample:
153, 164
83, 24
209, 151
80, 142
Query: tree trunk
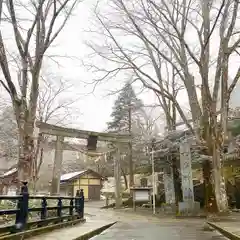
206, 134
214, 184
25, 143
218, 179
37, 161
176, 181
125, 179
192, 98
38, 167
26, 154
209, 195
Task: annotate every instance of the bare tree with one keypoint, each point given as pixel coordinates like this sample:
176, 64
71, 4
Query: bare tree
170, 84
53, 107
183, 34
54, 103
33, 37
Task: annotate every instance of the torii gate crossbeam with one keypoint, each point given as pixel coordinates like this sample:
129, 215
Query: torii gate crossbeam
61, 132
54, 130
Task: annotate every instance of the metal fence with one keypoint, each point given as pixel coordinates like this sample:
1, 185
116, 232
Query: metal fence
66, 209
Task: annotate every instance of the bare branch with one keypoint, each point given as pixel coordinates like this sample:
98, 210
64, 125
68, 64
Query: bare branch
50, 36
5, 86
31, 44
214, 24
5, 69
233, 84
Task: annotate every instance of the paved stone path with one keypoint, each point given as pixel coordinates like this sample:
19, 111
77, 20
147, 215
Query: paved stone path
134, 226
231, 227
94, 220
150, 230
74, 232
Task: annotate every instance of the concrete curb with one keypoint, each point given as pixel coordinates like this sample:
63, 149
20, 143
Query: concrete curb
224, 232
190, 217
95, 232
40, 230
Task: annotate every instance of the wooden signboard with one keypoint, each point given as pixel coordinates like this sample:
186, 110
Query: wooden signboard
141, 194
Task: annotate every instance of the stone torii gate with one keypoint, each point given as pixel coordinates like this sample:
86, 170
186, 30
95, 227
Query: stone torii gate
92, 138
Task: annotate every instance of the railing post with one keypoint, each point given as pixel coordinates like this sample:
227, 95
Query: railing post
22, 213
44, 208
59, 210
82, 203
71, 207
77, 202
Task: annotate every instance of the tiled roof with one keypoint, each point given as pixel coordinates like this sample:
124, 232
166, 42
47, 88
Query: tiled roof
71, 175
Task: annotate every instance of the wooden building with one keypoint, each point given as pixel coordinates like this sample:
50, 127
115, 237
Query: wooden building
8, 181
90, 181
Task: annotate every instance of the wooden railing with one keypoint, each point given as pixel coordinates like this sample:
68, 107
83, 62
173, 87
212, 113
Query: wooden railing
65, 209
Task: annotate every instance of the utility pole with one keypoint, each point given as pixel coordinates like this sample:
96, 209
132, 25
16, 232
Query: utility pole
131, 175
154, 182
153, 177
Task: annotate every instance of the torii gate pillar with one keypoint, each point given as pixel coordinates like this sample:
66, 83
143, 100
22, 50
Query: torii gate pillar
57, 168
117, 177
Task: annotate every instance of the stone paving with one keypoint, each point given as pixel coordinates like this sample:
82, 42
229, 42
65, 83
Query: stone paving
229, 224
231, 227
134, 226
74, 232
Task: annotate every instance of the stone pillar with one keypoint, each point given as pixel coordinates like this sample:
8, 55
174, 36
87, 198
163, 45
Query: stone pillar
169, 186
186, 172
117, 177
57, 168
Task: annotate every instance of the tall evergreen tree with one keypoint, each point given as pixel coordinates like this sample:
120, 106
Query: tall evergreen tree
125, 111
